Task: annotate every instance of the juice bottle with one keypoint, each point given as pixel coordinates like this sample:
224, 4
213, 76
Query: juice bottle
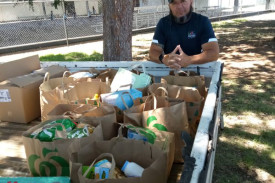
132, 169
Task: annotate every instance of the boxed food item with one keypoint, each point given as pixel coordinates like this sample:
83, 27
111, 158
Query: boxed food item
18, 67
19, 95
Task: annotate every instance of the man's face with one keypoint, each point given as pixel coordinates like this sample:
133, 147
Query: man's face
180, 8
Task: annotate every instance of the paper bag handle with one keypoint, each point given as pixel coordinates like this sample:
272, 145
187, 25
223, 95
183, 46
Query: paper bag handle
101, 156
137, 65
46, 77
107, 81
154, 100
63, 85
120, 134
163, 89
121, 87
72, 114
178, 93
176, 72
64, 74
123, 101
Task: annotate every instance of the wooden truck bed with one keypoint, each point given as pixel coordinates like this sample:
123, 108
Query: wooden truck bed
198, 167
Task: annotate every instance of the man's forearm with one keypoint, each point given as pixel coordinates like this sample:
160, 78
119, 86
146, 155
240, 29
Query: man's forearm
154, 53
204, 57
210, 53
154, 56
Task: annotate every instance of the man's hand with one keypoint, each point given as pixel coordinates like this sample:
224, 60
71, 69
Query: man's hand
210, 53
184, 59
173, 59
176, 61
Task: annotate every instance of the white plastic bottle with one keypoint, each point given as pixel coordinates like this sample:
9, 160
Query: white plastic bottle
132, 169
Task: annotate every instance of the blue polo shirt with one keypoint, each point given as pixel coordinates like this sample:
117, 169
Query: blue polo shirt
190, 36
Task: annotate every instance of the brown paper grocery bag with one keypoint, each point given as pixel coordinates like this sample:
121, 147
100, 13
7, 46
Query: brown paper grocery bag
72, 111
163, 114
84, 113
99, 114
105, 75
193, 81
161, 139
83, 90
51, 158
194, 101
66, 90
151, 158
186, 93
51, 94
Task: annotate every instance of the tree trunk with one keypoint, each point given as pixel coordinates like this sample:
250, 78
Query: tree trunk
117, 30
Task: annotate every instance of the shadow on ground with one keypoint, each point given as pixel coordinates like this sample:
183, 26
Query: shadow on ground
248, 50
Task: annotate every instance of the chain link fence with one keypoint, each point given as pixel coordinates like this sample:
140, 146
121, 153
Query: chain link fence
21, 24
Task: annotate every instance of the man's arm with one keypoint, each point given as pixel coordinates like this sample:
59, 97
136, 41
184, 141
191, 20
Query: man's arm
154, 53
210, 53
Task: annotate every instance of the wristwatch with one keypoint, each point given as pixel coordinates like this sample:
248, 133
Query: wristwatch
161, 57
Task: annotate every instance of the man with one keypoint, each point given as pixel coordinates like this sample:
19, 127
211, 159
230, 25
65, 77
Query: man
183, 37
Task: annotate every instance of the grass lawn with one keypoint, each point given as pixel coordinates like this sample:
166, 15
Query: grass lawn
246, 146
73, 56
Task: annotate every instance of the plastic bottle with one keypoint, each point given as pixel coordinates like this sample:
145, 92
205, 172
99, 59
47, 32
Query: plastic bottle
96, 100
134, 135
132, 169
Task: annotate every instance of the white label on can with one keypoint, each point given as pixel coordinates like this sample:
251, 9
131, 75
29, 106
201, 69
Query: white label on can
5, 96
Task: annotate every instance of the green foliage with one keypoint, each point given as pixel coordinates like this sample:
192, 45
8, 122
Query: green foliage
73, 56
76, 56
96, 56
56, 3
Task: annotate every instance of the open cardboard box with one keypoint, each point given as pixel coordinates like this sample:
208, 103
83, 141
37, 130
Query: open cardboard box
19, 92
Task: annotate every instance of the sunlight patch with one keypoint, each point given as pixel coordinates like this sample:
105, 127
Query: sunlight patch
230, 82
247, 64
11, 149
250, 88
256, 145
247, 144
262, 175
223, 139
250, 122
271, 124
244, 119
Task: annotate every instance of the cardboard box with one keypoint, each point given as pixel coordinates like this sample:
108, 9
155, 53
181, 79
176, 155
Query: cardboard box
19, 96
19, 67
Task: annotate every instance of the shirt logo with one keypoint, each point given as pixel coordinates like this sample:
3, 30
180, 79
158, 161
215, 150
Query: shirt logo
191, 35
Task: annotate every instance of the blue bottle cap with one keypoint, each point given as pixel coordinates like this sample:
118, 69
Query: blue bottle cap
124, 166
